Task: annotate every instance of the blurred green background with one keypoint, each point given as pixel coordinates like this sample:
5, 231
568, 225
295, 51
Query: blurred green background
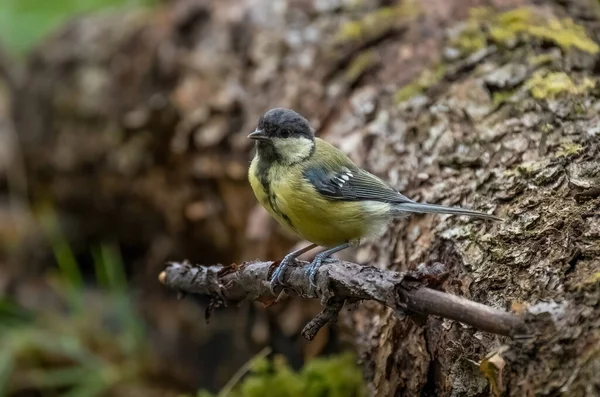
24, 22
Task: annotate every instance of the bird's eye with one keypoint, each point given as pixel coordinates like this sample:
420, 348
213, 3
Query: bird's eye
284, 133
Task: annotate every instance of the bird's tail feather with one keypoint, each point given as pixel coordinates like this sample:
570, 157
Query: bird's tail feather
440, 209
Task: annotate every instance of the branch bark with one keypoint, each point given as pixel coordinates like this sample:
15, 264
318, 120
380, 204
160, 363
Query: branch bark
337, 282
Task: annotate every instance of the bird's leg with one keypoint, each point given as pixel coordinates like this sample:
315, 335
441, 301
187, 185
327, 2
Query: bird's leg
319, 259
277, 277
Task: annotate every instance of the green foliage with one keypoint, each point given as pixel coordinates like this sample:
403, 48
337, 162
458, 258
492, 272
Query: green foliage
336, 376
91, 342
24, 22
13, 315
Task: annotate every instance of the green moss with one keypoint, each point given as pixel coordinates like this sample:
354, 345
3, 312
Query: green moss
336, 376
521, 23
471, 40
569, 148
408, 92
426, 79
566, 34
506, 26
498, 254
579, 109
500, 97
546, 128
550, 85
359, 64
376, 22
539, 60
529, 168
593, 279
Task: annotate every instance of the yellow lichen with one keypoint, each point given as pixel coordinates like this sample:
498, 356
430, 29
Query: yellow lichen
470, 40
566, 34
528, 168
569, 148
359, 64
539, 60
408, 91
553, 84
506, 27
471, 37
426, 79
546, 128
376, 22
492, 367
593, 279
500, 97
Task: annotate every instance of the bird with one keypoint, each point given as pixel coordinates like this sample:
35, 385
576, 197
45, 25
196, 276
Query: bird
316, 191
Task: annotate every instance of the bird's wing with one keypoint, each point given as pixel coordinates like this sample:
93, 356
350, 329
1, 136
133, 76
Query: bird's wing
352, 184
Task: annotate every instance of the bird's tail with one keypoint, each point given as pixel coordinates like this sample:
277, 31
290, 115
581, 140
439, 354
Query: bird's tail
420, 208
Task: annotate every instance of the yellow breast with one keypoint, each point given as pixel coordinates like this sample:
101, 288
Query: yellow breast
297, 206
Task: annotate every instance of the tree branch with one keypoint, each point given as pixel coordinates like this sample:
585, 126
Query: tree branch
337, 282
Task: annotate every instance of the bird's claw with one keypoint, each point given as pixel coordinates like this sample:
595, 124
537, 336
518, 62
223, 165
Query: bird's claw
313, 268
277, 276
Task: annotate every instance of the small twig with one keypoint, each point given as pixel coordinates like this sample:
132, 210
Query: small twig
338, 281
328, 315
239, 374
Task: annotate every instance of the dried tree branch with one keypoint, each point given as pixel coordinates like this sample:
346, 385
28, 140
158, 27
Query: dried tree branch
337, 282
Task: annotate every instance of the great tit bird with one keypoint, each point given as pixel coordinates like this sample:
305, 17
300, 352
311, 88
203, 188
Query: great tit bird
313, 189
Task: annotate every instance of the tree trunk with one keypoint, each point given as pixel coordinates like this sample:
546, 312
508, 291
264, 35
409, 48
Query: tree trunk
135, 128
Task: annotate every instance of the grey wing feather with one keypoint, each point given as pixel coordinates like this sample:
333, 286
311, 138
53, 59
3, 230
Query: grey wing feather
353, 185
359, 185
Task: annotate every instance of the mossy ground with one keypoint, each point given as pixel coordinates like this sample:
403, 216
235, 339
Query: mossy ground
336, 376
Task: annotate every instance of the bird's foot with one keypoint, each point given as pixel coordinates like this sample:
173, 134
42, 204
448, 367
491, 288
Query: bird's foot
277, 276
314, 267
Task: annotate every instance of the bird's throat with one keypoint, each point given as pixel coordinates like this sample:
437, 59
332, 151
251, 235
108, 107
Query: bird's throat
266, 152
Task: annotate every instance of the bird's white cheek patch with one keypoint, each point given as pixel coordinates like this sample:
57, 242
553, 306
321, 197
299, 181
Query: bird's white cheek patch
293, 149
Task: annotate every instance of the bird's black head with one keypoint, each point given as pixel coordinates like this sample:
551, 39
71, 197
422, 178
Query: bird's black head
283, 135
285, 123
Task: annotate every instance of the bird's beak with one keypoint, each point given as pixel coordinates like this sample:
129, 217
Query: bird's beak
258, 135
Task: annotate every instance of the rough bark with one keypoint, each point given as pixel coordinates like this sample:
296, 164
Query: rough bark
134, 128
457, 146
